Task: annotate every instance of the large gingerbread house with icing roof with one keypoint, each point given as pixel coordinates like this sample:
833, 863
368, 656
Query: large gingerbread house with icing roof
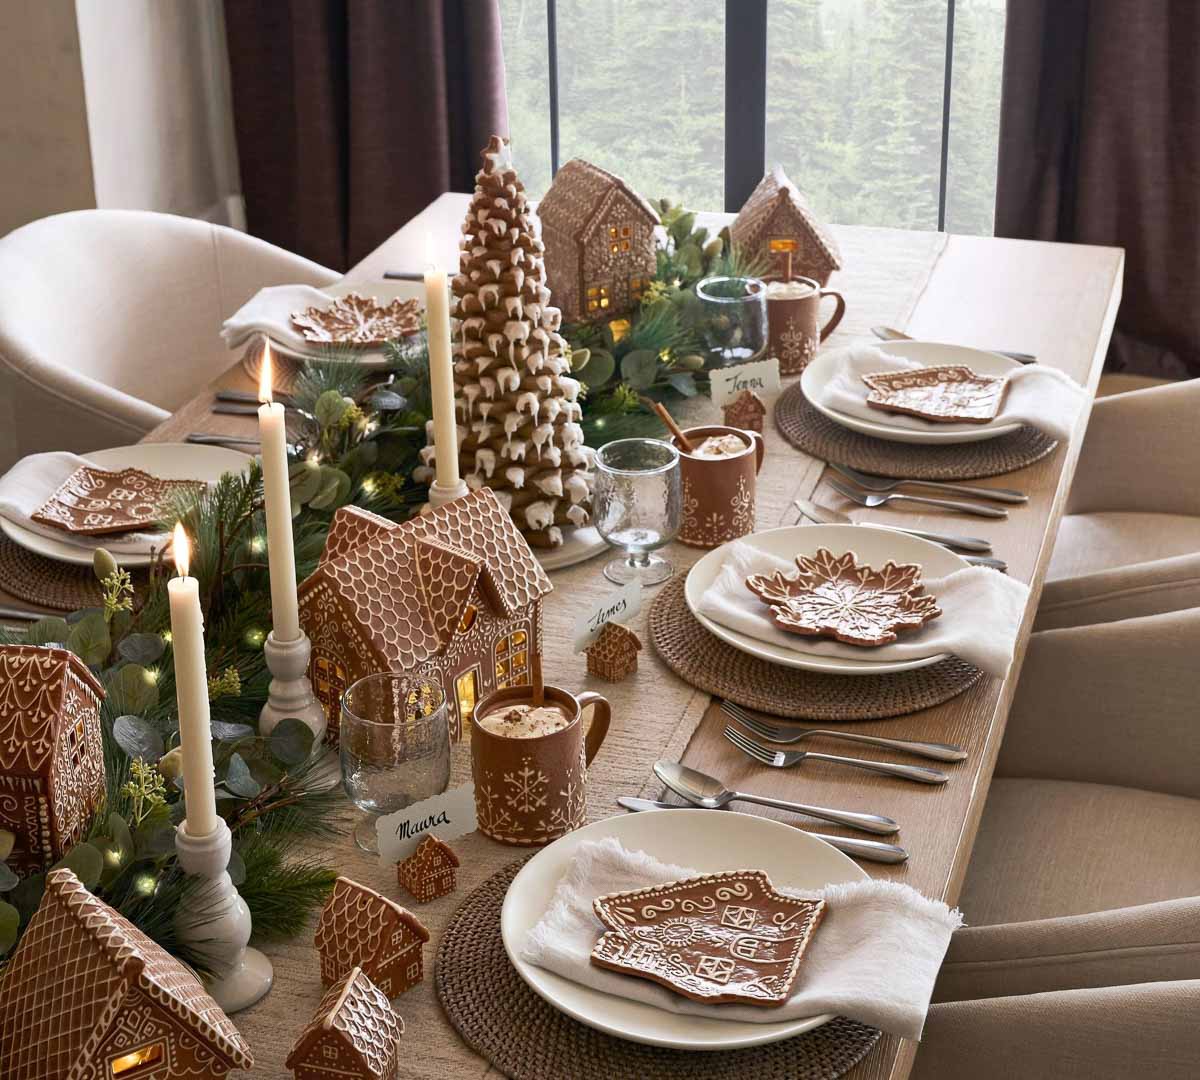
454, 595
87, 996
777, 223
51, 756
354, 1035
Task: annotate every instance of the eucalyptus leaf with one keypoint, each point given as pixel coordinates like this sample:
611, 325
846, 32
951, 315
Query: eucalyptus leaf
10, 922
142, 648
131, 689
291, 741
45, 631
387, 401
89, 639
138, 738
112, 859
85, 861
236, 869
118, 829
306, 481
683, 382
7, 842
330, 408
238, 779
334, 489
8, 880
265, 769
156, 841
74, 617
223, 731
600, 367
579, 360
639, 367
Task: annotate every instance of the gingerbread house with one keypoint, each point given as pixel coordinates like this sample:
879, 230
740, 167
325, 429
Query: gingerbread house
354, 1035
746, 411
777, 222
614, 654
454, 595
360, 928
87, 996
600, 244
51, 756
430, 871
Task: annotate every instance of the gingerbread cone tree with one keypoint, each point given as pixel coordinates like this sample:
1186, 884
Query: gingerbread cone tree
516, 404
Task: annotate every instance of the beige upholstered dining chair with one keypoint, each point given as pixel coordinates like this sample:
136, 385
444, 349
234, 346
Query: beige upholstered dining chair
1081, 954
110, 319
1130, 542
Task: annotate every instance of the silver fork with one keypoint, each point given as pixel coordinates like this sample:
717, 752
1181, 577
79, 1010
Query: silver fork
881, 483
935, 751
785, 759
864, 498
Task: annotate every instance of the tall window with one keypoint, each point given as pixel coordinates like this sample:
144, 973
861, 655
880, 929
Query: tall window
859, 109
512, 660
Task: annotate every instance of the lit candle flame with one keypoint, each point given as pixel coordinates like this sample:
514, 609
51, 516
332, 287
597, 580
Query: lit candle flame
182, 550
264, 377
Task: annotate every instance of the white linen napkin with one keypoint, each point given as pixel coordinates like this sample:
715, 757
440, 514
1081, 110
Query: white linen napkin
32, 480
981, 613
874, 957
269, 311
1040, 396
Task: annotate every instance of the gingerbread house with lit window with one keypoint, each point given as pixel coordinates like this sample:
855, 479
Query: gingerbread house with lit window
600, 243
777, 224
87, 996
51, 756
454, 595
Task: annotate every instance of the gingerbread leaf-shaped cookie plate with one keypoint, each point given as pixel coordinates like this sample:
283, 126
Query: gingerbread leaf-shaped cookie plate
949, 394
359, 320
96, 502
834, 596
726, 937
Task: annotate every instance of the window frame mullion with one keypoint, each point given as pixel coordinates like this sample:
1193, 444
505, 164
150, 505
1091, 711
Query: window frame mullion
745, 98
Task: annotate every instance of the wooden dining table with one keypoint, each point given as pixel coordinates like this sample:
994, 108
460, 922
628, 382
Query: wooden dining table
1055, 301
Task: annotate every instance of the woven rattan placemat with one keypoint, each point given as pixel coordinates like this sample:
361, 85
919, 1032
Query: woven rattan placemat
525, 1038
704, 660
814, 433
38, 580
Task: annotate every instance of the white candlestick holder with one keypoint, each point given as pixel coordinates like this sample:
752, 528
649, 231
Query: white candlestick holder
440, 494
214, 920
290, 692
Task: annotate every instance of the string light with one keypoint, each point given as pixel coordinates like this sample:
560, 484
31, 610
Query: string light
255, 637
145, 884
152, 676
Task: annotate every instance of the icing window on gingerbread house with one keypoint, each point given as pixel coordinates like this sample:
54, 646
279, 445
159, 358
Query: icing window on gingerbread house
512, 660
468, 618
637, 286
466, 692
329, 1052
329, 683
414, 971
137, 1062
75, 741
783, 243
597, 297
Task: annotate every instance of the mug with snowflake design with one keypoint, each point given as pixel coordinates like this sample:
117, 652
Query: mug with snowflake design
718, 484
530, 762
794, 329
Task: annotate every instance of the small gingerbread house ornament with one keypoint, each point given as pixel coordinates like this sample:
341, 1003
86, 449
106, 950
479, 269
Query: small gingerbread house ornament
87, 996
777, 223
614, 654
354, 1035
360, 928
454, 595
600, 244
51, 756
746, 411
430, 871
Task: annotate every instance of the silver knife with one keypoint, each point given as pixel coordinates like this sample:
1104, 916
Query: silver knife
870, 850
822, 515
887, 333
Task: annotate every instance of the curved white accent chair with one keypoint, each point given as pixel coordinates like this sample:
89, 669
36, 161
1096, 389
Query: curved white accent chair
111, 319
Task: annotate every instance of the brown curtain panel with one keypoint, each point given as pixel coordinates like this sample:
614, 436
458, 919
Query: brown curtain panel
1100, 144
352, 115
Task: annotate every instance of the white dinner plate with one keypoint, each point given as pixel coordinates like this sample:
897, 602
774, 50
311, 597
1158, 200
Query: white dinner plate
167, 461
873, 546
578, 546
707, 840
927, 354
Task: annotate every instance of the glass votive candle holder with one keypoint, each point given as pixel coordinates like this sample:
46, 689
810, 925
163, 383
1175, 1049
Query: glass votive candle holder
733, 319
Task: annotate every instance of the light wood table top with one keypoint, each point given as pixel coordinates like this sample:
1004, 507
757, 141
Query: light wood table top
1056, 301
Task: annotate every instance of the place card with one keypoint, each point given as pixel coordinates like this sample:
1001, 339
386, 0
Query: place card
450, 814
759, 377
617, 606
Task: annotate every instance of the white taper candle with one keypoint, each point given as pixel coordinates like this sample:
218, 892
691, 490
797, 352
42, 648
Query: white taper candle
281, 553
441, 373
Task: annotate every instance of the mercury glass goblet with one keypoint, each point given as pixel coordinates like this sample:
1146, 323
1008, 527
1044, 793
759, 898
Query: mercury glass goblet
636, 505
395, 746
733, 318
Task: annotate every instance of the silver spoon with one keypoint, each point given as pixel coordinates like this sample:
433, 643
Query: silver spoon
708, 792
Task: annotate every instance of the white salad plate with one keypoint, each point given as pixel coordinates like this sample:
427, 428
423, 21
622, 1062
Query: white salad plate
873, 546
928, 354
708, 842
579, 545
167, 461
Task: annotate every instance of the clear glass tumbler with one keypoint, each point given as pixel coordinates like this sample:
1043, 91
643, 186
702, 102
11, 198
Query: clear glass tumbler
636, 505
395, 746
733, 319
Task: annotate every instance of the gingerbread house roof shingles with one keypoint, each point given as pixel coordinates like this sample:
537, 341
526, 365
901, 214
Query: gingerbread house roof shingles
432, 854
72, 976
356, 928
407, 584
358, 1014
777, 204
576, 202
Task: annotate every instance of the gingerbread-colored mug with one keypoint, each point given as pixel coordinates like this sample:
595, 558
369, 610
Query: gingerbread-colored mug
532, 791
793, 321
718, 492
